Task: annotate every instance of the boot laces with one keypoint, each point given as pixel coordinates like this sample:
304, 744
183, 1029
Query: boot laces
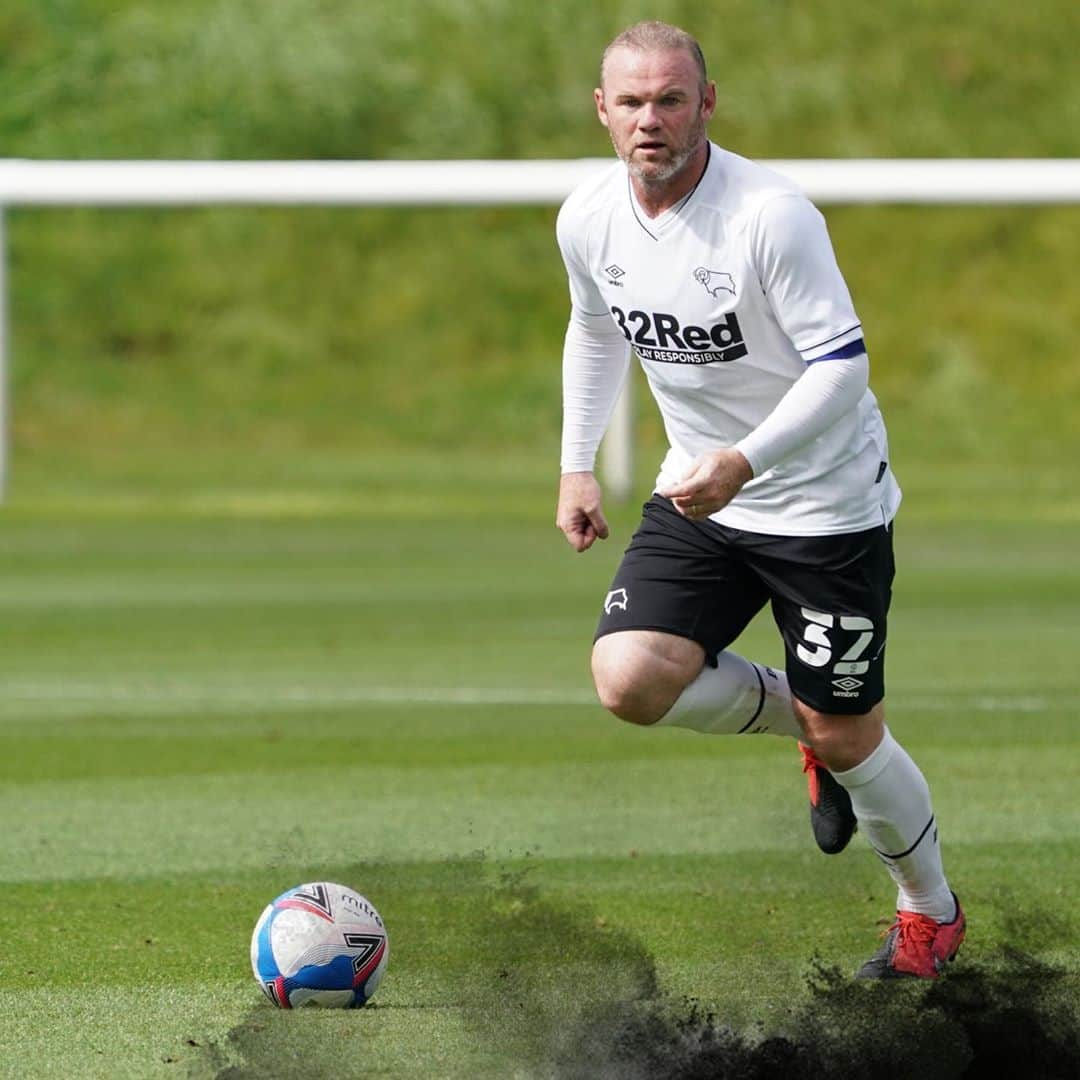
916, 932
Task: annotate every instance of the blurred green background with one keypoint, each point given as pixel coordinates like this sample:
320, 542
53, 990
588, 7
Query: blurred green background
344, 354
228, 424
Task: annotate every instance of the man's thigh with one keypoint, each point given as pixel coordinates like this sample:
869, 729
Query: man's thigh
681, 577
830, 599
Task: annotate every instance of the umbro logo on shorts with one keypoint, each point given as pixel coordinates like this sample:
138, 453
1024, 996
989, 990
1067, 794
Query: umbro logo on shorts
617, 598
846, 686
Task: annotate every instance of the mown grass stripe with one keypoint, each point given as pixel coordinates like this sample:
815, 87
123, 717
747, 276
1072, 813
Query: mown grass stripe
156, 696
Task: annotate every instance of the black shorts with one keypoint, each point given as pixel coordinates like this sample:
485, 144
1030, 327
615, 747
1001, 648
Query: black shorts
830, 598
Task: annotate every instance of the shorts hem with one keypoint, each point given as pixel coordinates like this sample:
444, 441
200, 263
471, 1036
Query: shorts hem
838, 708
607, 631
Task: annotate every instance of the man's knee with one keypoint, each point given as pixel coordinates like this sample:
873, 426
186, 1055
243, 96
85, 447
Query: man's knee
628, 701
639, 674
621, 681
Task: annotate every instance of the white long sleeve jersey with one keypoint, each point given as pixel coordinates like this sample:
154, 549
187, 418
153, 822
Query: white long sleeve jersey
727, 299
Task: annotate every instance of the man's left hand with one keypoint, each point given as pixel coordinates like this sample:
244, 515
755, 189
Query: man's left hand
710, 484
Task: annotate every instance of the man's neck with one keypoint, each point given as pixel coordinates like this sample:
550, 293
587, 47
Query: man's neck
654, 199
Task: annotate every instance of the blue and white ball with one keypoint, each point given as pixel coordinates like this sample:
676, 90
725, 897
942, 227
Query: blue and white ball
319, 944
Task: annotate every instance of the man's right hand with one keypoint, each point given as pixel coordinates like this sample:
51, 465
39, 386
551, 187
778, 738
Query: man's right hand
579, 514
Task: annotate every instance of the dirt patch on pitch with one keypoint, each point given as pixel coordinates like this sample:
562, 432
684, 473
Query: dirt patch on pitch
547, 990
1013, 1016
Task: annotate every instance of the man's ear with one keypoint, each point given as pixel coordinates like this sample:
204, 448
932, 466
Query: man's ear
708, 101
601, 108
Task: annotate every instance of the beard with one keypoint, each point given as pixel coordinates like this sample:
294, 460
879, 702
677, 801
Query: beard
660, 172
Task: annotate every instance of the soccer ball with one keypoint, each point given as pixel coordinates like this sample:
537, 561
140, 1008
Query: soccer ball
319, 944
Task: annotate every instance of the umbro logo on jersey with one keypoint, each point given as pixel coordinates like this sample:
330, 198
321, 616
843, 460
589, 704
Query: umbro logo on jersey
614, 272
617, 598
715, 281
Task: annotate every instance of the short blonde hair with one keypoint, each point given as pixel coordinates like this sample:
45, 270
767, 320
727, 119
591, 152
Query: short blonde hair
653, 36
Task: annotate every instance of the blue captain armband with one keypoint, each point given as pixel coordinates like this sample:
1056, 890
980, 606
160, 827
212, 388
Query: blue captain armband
845, 352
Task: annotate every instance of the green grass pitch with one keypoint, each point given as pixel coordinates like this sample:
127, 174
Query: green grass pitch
201, 709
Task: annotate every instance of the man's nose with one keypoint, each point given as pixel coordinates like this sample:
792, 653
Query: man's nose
649, 116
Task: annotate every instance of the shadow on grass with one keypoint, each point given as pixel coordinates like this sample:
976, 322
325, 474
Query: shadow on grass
531, 988
486, 976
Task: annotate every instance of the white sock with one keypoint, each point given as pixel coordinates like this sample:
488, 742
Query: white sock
734, 698
891, 800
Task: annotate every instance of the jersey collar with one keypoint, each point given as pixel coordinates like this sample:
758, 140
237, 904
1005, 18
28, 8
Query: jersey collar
659, 224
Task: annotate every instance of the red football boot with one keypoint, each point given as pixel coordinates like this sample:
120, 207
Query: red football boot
916, 947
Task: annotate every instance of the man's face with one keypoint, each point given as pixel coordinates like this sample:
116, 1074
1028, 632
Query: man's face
653, 107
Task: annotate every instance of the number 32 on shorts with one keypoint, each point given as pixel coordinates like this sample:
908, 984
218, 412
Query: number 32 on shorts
816, 648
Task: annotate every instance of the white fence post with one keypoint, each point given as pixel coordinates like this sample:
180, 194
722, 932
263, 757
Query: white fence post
617, 449
4, 378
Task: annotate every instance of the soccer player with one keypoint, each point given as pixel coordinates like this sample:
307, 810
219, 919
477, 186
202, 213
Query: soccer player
776, 487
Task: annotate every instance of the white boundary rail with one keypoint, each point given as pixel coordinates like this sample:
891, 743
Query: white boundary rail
483, 183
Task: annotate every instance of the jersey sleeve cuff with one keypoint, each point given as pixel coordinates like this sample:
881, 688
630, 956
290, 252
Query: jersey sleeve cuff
745, 447
832, 344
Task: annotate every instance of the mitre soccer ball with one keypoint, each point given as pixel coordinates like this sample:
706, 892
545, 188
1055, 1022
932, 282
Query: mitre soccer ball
319, 944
